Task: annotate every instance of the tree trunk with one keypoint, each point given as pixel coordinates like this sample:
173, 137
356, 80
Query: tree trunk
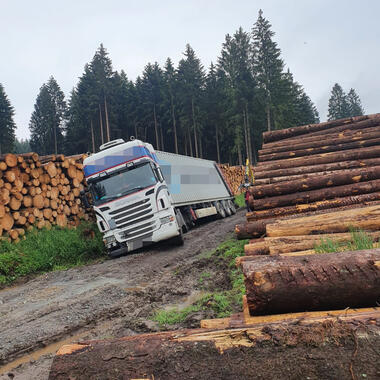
101, 124
267, 111
136, 130
317, 345
246, 137
92, 137
276, 284
285, 244
174, 124
317, 195
190, 143
249, 136
366, 218
195, 128
162, 138
217, 144
304, 142
156, 127
316, 182
363, 199
323, 149
347, 123
285, 172
107, 123
325, 158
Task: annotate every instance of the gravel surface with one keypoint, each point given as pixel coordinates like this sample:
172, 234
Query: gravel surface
105, 300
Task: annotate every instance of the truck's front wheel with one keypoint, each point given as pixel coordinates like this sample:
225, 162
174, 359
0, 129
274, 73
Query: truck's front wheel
178, 240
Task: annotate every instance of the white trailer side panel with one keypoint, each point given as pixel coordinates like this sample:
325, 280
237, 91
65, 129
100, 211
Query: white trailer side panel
192, 180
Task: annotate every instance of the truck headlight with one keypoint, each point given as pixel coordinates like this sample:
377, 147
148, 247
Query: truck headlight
167, 219
109, 240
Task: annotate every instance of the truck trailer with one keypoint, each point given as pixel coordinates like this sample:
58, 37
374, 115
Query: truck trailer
141, 196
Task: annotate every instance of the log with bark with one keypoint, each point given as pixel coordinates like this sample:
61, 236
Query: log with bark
348, 123
316, 195
323, 149
285, 244
366, 218
302, 170
343, 177
275, 350
277, 284
307, 141
324, 158
363, 199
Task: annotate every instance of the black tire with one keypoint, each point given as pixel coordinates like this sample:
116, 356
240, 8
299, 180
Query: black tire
231, 204
227, 208
220, 209
178, 240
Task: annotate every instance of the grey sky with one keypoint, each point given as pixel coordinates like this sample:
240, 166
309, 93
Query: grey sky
322, 42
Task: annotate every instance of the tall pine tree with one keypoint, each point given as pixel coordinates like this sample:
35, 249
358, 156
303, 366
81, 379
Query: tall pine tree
338, 104
47, 120
191, 79
354, 103
267, 66
7, 125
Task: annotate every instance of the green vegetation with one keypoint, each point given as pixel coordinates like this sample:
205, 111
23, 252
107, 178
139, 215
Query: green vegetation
221, 303
360, 240
47, 250
239, 200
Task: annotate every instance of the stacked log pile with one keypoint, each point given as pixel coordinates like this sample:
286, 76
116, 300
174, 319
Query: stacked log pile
234, 176
315, 170
39, 191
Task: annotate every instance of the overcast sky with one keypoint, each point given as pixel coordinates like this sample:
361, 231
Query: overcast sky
322, 42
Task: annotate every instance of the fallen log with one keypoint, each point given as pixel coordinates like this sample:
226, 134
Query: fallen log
305, 141
276, 284
253, 229
317, 195
363, 199
344, 177
307, 129
324, 158
335, 146
285, 244
366, 218
234, 353
302, 170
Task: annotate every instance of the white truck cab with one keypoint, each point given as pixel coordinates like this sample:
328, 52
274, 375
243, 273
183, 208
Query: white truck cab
132, 201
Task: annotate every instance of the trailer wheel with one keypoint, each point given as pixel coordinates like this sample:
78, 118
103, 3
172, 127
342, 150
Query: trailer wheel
227, 208
220, 209
232, 206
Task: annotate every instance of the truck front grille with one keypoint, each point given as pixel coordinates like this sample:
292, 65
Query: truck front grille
134, 219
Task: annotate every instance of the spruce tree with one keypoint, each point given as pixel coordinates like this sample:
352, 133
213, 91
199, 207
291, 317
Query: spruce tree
354, 104
191, 79
267, 65
48, 118
7, 125
338, 104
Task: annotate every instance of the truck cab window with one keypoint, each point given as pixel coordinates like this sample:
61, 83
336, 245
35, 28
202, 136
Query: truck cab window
121, 183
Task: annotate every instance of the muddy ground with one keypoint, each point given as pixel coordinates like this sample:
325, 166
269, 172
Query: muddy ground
105, 300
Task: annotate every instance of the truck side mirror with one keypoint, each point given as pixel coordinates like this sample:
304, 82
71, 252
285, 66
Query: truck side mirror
84, 199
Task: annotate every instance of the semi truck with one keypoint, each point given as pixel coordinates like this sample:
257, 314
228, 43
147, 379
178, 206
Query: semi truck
141, 196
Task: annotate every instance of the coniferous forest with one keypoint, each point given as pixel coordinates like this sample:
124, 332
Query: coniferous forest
218, 112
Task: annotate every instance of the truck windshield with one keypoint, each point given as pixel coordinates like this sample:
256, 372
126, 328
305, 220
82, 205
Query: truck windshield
122, 183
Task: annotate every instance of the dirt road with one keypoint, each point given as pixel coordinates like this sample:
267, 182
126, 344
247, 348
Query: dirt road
109, 299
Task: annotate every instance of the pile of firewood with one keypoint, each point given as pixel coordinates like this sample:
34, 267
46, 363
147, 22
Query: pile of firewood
234, 176
39, 191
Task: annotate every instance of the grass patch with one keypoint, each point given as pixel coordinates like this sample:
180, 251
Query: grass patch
46, 250
359, 240
240, 200
219, 303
